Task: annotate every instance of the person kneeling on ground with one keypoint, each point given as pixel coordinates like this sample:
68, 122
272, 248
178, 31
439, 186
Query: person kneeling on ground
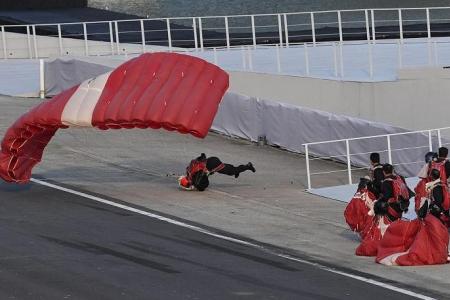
393, 201
201, 168
423, 241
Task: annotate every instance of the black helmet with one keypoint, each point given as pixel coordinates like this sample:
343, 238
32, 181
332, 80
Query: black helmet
430, 156
435, 174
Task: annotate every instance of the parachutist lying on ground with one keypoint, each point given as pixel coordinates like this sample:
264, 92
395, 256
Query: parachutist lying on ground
201, 167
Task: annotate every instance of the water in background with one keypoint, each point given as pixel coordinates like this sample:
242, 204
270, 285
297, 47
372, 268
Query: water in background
188, 8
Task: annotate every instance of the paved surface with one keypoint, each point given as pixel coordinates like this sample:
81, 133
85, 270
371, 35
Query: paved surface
56, 246
270, 206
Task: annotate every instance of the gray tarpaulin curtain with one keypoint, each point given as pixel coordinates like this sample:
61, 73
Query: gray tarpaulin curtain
284, 125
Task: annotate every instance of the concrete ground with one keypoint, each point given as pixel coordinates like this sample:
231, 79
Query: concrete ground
271, 206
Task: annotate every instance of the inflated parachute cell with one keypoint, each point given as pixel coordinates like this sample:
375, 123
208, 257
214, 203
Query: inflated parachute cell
159, 90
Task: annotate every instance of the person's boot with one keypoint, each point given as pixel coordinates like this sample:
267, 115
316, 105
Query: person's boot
251, 167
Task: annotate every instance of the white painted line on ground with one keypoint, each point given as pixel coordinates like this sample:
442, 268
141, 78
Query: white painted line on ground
231, 239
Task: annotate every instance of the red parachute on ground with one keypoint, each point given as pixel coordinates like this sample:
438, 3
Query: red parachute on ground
159, 90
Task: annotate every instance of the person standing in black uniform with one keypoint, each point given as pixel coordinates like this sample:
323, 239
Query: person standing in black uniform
375, 174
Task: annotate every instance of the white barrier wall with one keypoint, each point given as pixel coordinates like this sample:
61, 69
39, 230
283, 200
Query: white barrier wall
418, 99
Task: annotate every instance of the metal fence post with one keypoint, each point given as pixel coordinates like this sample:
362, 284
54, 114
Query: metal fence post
400, 24
200, 31
308, 174
169, 34
61, 50
30, 52
194, 28
41, 79
277, 49
227, 32
313, 29
372, 15
341, 39
280, 30
370, 60
430, 52
366, 13
305, 47
341, 59
430, 140
286, 31
389, 148
143, 35
428, 23
116, 27
400, 55
86, 48
439, 138
5, 51
36, 53
252, 19
349, 163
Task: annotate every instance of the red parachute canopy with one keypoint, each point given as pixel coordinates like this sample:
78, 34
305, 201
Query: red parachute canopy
160, 90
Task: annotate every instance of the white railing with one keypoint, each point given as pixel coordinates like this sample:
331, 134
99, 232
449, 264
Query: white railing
284, 29
405, 151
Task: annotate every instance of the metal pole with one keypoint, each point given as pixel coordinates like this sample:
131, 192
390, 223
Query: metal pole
335, 58
116, 27
30, 53
86, 47
366, 12
227, 32
194, 27
400, 55
341, 59
313, 29
169, 34
41, 79
341, 39
280, 30
252, 19
439, 138
370, 60
305, 46
61, 50
5, 51
36, 53
400, 24
372, 15
430, 140
286, 31
349, 164
389, 149
308, 174
278, 58
143, 35
428, 24
200, 30
430, 52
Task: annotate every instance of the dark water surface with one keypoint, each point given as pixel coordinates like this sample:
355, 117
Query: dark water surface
186, 8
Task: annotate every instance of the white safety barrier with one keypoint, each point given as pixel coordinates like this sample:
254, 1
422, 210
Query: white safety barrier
404, 150
283, 29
